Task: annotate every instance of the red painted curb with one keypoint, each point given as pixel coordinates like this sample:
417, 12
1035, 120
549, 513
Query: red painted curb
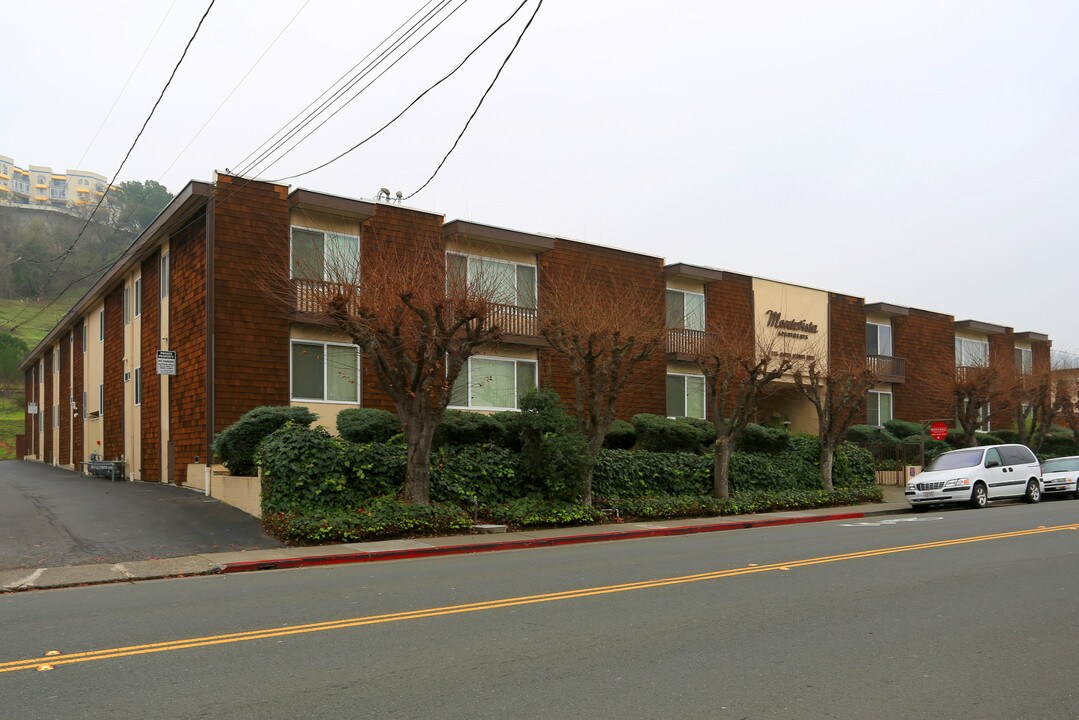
365, 556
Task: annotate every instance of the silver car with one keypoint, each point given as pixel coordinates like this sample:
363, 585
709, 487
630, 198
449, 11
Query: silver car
977, 475
1060, 475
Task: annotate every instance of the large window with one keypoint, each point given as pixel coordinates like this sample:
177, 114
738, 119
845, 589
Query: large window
878, 339
1024, 360
685, 396
138, 386
327, 372
493, 383
318, 255
878, 408
971, 353
504, 282
685, 310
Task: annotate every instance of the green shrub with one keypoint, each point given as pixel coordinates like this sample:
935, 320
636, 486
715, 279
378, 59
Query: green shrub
466, 427
535, 512
367, 425
903, 428
236, 444
512, 424
638, 473
656, 433
620, 436
485, 473
377, 518
373, 469
302, 470
853, 467
870, 434
1059, 445
763, 439
553, 455
987, 439
753, 501
706, 431
1007, 436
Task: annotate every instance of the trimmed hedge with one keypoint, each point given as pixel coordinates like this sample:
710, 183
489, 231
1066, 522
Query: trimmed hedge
620, 436
534, 512
377, 518
903, 428
367, 425
462, 427
758, 438
870, 434
236, 445
678, 506
656, 433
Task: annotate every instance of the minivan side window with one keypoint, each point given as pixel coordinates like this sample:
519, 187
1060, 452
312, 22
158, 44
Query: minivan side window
1017, 455
992, 458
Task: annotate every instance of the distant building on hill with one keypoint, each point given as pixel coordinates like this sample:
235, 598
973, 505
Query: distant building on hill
39, 186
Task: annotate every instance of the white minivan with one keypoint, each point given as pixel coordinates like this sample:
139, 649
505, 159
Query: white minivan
977, 475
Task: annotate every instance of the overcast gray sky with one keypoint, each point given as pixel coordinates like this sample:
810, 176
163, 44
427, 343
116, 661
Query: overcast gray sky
917, 153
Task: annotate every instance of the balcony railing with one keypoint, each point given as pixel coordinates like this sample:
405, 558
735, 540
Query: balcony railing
310, 296
685, 342
514, 319
887, 368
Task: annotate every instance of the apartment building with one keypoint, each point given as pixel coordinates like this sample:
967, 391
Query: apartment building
185, 333
40, 186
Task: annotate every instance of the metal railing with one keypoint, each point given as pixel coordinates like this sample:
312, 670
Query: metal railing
311, 296
685, 342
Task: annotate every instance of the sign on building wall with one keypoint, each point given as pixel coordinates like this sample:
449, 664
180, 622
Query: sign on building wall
31, 408
793, 319
166, 362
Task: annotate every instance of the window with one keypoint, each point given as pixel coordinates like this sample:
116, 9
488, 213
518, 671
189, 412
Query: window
56, 416
878, 408
685, 396
327, 372
84, 411
971, 353
318, 255
878, 339
165, 275
138, 386
138, 296
127, 305
505, 282
685, 310
493, 383
101, 399
84, 335
1024, 360
101, 326
983, 416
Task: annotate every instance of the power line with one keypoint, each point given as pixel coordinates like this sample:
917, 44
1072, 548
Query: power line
482, 98
418, 97
365, 87
243, 165
63, 256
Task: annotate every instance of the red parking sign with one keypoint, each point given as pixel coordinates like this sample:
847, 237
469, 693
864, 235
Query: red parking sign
938, 430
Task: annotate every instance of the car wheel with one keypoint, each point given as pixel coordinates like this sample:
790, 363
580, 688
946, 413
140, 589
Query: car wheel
979, 496
1033, 493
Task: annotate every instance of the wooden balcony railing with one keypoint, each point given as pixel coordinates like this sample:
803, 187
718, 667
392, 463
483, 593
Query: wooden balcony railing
309, 297
514, 319
685, 342
887, 368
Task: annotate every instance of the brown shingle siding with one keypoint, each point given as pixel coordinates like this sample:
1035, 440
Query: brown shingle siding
927, 341
151, 384
187, 336
46, 407
113, 418
63, 402
77, 388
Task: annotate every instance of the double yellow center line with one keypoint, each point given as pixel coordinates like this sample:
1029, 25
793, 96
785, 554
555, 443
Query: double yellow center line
210, 640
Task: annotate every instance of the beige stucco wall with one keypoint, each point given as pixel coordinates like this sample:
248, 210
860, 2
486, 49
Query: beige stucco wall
491, 250
685, 284
682, 368
92, 379
325, 222
794, 303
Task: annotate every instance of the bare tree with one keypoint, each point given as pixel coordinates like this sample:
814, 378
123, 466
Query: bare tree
1036, 406
737, 368
416, 325
837, 392
604, 326
977, 388
1066, 400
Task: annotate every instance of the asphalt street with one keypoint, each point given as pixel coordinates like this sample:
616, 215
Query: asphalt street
51, 517
955, 614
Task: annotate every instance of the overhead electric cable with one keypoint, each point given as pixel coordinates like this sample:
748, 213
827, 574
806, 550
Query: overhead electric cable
244, 162
482, 98
418, 97
63, 256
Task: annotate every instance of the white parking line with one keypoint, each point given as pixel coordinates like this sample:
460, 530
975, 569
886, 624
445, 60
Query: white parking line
890, 521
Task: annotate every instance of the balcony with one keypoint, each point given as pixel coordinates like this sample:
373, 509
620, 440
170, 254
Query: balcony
887, 369
685, 344
518, 324
308, 297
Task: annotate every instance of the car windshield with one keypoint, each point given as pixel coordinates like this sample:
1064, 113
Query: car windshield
1060, 465
954, 460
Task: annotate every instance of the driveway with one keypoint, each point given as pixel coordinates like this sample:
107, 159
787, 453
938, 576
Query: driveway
51, 517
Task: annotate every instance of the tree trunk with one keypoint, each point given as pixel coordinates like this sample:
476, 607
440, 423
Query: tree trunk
721, 485
827, 460
419, 435
595, 445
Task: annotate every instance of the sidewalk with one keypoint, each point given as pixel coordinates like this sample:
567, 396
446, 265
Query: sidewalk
293, 557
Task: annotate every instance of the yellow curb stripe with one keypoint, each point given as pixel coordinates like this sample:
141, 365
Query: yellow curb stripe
266, 633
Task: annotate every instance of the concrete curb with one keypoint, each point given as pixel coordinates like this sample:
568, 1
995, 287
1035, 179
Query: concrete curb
526, 543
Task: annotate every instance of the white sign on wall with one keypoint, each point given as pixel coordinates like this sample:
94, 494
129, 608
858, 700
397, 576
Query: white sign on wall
166, 362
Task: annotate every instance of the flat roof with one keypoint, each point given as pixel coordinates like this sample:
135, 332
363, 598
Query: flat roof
1030, 336
982, 327
882, 308
694, 272
503, 236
